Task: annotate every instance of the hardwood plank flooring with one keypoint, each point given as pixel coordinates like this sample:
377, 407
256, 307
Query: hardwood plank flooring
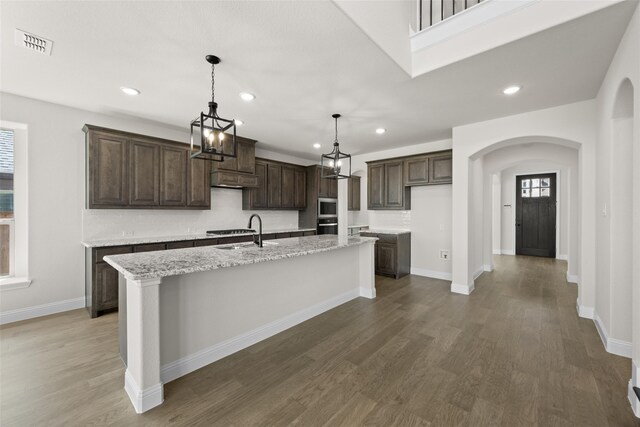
512, 353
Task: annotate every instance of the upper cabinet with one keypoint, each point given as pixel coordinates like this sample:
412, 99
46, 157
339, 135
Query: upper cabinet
389, 180
385, 186
238, 172
354, 193
131, 171
280, 186
326, 187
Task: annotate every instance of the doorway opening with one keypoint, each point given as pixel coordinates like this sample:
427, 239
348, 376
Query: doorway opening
536, 215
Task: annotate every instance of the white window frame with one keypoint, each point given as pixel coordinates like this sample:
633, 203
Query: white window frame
19, 243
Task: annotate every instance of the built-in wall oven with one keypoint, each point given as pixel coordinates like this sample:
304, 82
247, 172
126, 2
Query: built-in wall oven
327, 208
328, 225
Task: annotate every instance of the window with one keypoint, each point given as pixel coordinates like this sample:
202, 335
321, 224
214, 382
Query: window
536, 187
7, 220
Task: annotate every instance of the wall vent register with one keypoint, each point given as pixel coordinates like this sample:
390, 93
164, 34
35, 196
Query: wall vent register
33, 42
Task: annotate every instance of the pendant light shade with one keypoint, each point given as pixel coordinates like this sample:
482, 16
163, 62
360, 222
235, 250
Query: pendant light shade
212, 137
336, 164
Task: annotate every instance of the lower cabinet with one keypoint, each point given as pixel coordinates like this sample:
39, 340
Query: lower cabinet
392, 253
101, 280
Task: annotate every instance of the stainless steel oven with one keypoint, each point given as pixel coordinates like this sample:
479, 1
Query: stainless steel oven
327, 208
328, 225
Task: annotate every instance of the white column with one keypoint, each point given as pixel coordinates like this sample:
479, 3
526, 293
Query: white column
462, 282
367, 275
142, 377
343, 207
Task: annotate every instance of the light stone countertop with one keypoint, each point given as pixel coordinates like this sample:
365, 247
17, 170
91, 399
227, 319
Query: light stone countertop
120, 241
146, 265
395, 231
358, 226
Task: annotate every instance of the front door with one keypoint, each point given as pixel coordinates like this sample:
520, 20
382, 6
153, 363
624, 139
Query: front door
536, 215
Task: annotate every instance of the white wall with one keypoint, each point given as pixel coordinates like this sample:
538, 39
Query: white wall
617, 310
429, 218
57, 218
569, 125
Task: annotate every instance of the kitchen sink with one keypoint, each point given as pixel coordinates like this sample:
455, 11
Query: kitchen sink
245, 246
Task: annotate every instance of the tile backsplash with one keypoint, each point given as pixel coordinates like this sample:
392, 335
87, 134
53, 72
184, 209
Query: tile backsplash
226, 212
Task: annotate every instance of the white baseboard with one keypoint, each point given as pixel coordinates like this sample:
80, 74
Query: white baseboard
507, 252
487, 268
442, 275
584, 312
562, 257
462, 289
478, 272
41, 310
572, 278
142, 400
187, 364
497, 251
612, 345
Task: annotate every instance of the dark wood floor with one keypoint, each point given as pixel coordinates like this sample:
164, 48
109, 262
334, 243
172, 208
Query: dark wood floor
513, 353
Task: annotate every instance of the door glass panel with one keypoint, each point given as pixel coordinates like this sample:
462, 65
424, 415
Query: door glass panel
535, 183
535, 192
545, 192
525, 184
525, 192
545, 182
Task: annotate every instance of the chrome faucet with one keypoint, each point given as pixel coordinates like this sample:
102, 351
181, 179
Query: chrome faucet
259, 242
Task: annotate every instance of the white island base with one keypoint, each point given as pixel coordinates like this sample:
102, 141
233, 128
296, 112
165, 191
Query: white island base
177, 324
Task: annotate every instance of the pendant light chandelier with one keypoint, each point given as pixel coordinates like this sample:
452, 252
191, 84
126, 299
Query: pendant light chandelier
212, 137
336, 164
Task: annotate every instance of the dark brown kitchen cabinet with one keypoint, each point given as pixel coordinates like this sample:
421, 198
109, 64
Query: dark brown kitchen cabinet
238, 172
327, 187
106, 289
416, 171
173, 176
392, 253
198, 188
131, 171
354, 193
385, 186
144, 165
107, 170
441, 169
280, 186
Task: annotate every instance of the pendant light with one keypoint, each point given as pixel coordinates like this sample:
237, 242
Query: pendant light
336, 164
212, 137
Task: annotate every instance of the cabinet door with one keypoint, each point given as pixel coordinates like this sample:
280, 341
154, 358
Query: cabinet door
416, 171
173, 176
323, 184
288, 187
354, 193
333, 188
441, 169
106, 291
301, 189
375, 186
258, 198
199, 183
144, 175
274, 186
394, 185
108, 166
246, 157
386, 258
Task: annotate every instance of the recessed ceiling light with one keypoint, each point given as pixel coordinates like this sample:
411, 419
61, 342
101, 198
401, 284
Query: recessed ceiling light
246, 96
316, 146
238, 122
380, 131
130, 91
511, 90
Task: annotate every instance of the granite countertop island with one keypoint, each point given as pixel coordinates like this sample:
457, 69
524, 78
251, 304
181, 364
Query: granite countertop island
174, 262
395, 231
122, 241
182, 309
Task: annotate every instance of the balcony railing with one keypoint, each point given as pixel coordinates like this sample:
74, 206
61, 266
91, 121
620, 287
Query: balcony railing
430, 12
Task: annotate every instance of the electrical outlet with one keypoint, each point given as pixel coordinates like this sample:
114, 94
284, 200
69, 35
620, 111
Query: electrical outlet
444, 254
127, 233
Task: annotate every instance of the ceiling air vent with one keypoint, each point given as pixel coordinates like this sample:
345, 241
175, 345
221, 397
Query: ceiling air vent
33, 42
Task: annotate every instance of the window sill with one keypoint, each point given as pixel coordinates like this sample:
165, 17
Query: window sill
11, 283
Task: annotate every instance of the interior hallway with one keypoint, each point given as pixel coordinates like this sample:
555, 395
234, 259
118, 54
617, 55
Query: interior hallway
512, 353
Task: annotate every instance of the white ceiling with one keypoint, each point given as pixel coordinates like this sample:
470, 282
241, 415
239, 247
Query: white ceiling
303, 60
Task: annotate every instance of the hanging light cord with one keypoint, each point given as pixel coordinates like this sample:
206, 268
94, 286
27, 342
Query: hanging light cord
336, 140
213, 79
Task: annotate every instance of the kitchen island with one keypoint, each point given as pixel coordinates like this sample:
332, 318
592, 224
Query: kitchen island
186, 308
